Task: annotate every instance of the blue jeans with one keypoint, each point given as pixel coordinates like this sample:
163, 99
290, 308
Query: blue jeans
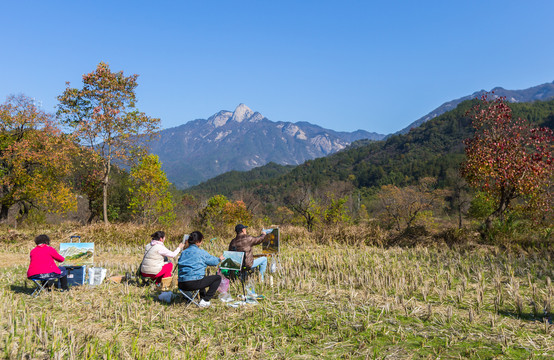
262, 263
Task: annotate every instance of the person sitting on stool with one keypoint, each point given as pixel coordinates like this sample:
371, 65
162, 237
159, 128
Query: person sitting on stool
42, 266
244, 242
155, 264
192, 269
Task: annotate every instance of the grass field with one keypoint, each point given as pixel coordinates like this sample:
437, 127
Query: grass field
326, 301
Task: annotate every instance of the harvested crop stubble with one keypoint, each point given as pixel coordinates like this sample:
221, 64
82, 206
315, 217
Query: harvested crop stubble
327, 301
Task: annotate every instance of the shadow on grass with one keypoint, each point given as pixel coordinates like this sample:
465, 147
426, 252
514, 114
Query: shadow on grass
528, 316
177, 300
28, 288
22, 289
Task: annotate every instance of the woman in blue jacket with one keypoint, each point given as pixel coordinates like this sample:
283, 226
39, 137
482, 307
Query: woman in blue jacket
192, 269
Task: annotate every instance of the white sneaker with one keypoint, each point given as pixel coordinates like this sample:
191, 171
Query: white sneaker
203, 303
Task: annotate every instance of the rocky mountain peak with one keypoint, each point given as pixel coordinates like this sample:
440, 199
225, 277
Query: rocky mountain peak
201, 149
220, 118
241, 113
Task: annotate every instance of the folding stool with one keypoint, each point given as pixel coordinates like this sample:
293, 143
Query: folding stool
190, 296
41, 284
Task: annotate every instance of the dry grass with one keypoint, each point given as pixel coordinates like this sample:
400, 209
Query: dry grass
328, 300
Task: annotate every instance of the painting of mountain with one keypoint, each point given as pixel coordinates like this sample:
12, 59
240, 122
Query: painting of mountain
77, 254
233, 260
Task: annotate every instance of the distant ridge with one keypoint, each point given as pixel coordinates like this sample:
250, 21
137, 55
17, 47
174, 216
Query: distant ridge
541, 92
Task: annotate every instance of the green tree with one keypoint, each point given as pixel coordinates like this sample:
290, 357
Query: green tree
220, 212
336, 212
302, 202
104, 117
151, 199
34, 159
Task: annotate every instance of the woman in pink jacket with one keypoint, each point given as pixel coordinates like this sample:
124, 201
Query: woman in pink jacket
43, 265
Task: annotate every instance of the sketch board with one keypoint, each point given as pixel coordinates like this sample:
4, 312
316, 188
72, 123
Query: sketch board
233, 260
77, 254
271, 241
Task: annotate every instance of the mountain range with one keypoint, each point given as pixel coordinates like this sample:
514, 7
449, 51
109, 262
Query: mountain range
434, 149
242, 140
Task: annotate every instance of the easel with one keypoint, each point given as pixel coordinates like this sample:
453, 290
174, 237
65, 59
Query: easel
268, 250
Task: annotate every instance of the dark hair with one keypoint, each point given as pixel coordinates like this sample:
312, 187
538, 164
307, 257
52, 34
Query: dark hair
158, 235
195, 237
42, 239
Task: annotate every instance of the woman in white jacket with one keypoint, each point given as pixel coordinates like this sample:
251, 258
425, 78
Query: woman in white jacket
155, 264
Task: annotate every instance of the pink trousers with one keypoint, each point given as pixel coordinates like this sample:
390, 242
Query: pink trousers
166, 271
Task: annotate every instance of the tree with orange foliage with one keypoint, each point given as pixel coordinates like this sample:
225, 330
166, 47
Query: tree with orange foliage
34, 159
104, 118
411, 205
507, 159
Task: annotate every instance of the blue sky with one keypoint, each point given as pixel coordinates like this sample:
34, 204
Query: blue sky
343, 65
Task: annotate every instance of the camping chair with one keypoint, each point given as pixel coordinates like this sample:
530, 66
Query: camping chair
190, 297
42, 284
241, 272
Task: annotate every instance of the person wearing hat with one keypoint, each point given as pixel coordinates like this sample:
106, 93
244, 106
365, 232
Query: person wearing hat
244, 242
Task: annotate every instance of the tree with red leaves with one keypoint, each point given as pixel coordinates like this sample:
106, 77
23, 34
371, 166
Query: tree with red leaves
104, 117
507, 159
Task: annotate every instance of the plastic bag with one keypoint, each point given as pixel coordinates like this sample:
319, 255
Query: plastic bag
250, 291
226, 297
96, 275
273, 268
224, 285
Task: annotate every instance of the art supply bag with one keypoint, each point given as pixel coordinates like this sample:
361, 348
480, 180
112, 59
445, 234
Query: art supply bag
166, 296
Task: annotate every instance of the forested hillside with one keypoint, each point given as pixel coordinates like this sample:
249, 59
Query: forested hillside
429, 150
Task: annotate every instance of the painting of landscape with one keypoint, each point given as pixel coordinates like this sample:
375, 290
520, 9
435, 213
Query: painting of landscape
232, 261
77, 254
271, 243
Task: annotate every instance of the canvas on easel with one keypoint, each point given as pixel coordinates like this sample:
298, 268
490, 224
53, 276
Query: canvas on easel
232, 260
77, 254
271, 241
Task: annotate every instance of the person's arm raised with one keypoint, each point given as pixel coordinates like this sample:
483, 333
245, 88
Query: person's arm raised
258, 240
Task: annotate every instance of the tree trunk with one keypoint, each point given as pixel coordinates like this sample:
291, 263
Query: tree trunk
105, 200
105, 191
460, 217
23, 211
3, 213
